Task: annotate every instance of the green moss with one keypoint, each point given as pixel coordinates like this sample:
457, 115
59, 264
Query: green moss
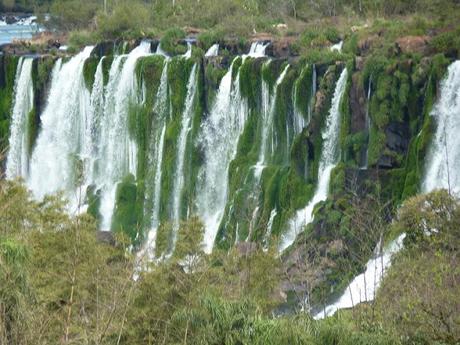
126, 216
8, 66
89, 71
170, 42
93, 199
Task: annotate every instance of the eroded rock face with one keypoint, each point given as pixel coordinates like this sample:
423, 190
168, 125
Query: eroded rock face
413, 44
358, 105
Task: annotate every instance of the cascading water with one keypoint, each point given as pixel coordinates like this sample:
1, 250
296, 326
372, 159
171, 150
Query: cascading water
219, 137
118, 149
268, 234
92, 131
179, 180
364, 287
444, 155
328, 160
268, 113
55, 161
257, 50
213, 51
368, 124
17, 164
155, 159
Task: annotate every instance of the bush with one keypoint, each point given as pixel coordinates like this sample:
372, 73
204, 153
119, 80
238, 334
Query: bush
170, 42
128, 20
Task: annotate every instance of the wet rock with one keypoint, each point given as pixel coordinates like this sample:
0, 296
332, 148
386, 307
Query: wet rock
106, 237
246, 248
358, 105
413, 44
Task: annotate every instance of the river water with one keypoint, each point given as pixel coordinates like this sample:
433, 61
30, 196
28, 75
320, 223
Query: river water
22, 30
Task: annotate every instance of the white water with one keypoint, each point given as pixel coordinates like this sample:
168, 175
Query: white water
268, 113
444, 156
337, 47
17, 164
147, 253
257, 50
55, 159
268, 234
90, 149
118, 150
219, 138
179, 178
364, 287
329, 159
160, 110
213, 51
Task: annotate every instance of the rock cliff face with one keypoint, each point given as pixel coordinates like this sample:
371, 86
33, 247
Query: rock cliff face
272, 114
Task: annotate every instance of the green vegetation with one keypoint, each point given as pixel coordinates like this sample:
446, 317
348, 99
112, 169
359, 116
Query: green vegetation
60, 284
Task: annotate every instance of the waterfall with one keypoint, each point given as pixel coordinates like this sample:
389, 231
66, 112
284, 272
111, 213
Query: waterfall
219, 138
179, 178
92, 131
213, 51
444, 154
368, 124
17, 164
328, 160
118, 154
55, 161
160, 110
257, 50
268, 234
337, 47
363, 287
268, 113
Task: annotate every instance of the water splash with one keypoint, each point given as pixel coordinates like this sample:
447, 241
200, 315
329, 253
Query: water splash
444, 155
328, 160
17, 164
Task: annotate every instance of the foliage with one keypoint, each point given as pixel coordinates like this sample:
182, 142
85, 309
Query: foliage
424, 283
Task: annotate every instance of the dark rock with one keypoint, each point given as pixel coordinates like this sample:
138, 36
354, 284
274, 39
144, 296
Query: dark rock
358, 105
397, 137
106, 237
246, 248
413, 44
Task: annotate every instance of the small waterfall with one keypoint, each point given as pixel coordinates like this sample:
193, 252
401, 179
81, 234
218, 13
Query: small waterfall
257, 50
55, 164
444, 155
368, 124
179, 179
213, 51
364, 287
161, 107
219, 138
268, 113
328, 160
160, 51
17, 164
337, 47
118, 156
92, 131
268, 234
155, 160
